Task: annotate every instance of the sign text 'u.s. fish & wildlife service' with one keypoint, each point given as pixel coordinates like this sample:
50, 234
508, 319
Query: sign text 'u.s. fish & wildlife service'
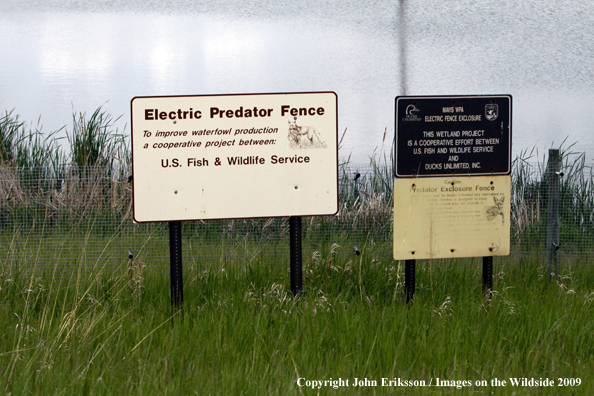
234, 156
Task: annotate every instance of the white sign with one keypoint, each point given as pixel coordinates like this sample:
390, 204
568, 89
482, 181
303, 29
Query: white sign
234, 156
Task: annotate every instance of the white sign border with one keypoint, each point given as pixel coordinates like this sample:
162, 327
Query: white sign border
337, 205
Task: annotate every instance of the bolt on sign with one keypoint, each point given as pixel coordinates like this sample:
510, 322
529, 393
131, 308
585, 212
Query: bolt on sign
234, 156
452, 185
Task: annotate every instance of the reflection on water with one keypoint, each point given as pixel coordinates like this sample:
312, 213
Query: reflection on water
64, 54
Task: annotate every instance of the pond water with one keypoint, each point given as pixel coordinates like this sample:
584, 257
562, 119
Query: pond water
64, 55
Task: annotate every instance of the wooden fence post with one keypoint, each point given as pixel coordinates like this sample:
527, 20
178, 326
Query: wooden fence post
553, 175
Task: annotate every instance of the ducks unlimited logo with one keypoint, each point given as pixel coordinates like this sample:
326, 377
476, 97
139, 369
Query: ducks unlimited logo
411, 113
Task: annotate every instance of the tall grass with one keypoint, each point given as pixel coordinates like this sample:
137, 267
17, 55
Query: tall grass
94, 144
78, 315
242, 332
41, 183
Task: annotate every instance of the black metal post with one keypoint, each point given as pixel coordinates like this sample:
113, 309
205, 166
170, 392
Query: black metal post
487, 275
176, 274
296, 255
409, 280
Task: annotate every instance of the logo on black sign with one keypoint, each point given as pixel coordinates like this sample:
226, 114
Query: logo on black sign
411, 113
491, 112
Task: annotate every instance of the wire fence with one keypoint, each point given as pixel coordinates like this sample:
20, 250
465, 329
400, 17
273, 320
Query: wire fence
79, 220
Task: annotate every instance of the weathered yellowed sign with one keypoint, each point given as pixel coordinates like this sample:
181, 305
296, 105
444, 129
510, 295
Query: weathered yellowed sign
234, 156
448, 217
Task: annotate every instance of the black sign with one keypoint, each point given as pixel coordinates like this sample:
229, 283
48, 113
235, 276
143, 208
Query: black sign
453, 135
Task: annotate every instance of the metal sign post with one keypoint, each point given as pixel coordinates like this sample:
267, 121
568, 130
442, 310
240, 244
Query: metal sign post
296, 255
487, 275
409, 280
175, 265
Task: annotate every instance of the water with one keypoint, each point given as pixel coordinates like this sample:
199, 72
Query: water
64, 56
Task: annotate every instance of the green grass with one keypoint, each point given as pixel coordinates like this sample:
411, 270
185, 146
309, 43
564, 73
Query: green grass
241, 331
78, 317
